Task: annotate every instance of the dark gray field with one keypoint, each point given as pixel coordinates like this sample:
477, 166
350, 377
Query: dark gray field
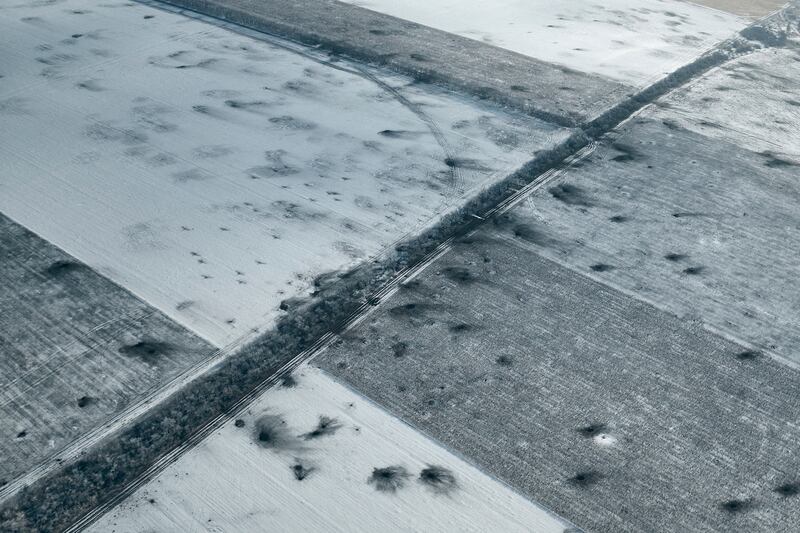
615, 415
60, 319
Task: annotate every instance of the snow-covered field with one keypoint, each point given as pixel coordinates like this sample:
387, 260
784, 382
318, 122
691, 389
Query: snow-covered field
306, 460
633, 41
215, 175
752, 101
693, 206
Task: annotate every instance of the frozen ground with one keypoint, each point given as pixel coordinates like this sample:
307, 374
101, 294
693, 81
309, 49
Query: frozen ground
633, 41
76, 350
214, 175
283, 471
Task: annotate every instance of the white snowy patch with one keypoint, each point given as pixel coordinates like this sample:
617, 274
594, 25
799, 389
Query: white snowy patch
633, 41
231, 483
214, 175
753, 101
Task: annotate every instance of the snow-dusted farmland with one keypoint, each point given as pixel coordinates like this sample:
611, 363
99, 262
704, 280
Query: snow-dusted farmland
214, 175
285, 471
633, 41
753, 102
75, 350
693, 206
744, 8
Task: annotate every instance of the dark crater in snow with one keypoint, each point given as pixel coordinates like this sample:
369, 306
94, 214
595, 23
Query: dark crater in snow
585, 479
469, 164
326, 426
459, 274
438, 479
694, 270
748, 355
788, 489
461, 327
148, 351
399, 349
409, 310
62, 267
389, 479
775, 161
400, 134
627, 153
288, 381
504, 360
86, 401
272, 433
592, 429
736, 505
301, 471
570, 195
